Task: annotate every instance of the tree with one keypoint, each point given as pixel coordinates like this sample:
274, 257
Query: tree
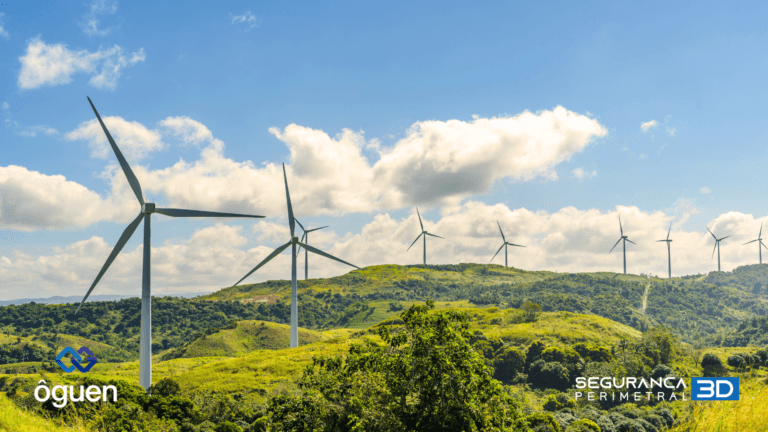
531, 310
508, 363
426, 377
712, 365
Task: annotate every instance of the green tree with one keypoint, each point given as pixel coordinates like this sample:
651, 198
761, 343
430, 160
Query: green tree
508, 363
425, 378
531, 310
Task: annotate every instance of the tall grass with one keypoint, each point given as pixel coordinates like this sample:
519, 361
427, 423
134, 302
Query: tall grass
749, 413
15, 419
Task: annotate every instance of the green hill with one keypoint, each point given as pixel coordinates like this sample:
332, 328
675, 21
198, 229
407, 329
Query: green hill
247, 336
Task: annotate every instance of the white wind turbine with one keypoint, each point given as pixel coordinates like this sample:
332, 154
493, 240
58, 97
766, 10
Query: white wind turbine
760, 245
145, 339
293, 243
305, 238
506, 243
425, 234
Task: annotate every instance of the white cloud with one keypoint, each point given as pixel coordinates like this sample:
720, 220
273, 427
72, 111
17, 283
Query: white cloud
191, 132
6, 106
54, 64
31, 200
247, 20
32, 131
133, 138
705, 190
98, 8
571, 240
579, 173
648, 125
3, 31
671, 131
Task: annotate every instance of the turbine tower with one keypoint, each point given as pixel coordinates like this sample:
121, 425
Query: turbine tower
145, 340
626, 239
669, 253
504, 245
760, 245
425, 234
305, 238
293, 243
717, 246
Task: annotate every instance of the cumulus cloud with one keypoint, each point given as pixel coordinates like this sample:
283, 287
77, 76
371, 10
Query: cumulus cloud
52, 65
3, 32
134, 139
247, 21
568, 240
705, 190
579, 173
645, 126
91, 20
31, 200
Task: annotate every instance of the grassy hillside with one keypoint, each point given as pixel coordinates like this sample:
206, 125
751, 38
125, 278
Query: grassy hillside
15, 419
247, 336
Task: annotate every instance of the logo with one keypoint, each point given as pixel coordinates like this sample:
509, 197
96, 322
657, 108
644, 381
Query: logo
76, 360
715, 389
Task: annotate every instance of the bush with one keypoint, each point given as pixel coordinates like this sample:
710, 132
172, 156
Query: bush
548, 375
712, 365
534, 352
736, 361
507, 364
556, 402
541, 422
583, 425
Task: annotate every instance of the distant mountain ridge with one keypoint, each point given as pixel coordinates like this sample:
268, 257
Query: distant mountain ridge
93, 298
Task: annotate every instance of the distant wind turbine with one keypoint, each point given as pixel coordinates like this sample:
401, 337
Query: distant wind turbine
760, 245
626, 239
717, 246
425, 234
669, 253
305, 238
504, 245
293, 243
145, 340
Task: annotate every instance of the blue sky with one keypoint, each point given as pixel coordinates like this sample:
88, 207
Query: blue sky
432, 96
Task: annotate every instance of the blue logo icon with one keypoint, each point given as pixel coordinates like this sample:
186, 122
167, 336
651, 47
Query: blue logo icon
76, 359
715, 389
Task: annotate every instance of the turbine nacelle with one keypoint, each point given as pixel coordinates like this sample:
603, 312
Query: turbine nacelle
294, 240
148, 208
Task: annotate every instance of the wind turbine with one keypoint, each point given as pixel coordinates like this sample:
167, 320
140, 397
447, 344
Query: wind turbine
669, 253
145, 340
305, 238
506, 243
293, 243
761, 244
717, 246
425, 234
626, 239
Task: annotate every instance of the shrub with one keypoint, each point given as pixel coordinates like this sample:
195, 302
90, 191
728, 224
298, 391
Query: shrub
507, 364
543, 422
736, 361
712, 365
556, 402
583, 425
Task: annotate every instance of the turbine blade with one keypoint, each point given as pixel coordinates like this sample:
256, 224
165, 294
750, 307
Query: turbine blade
632, 242
660, 241
614, 246
761, 230
115, 251
434, 235
620, 227
763, 244
274, 253
419, 215
713, 236
512, 244
327, 255
713, 250
502, 233
670, 230
290, 208
132, 180
726, 237
302, 226
750, 242
497, 252
303, 236
414, 242
315, 229
199, 213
